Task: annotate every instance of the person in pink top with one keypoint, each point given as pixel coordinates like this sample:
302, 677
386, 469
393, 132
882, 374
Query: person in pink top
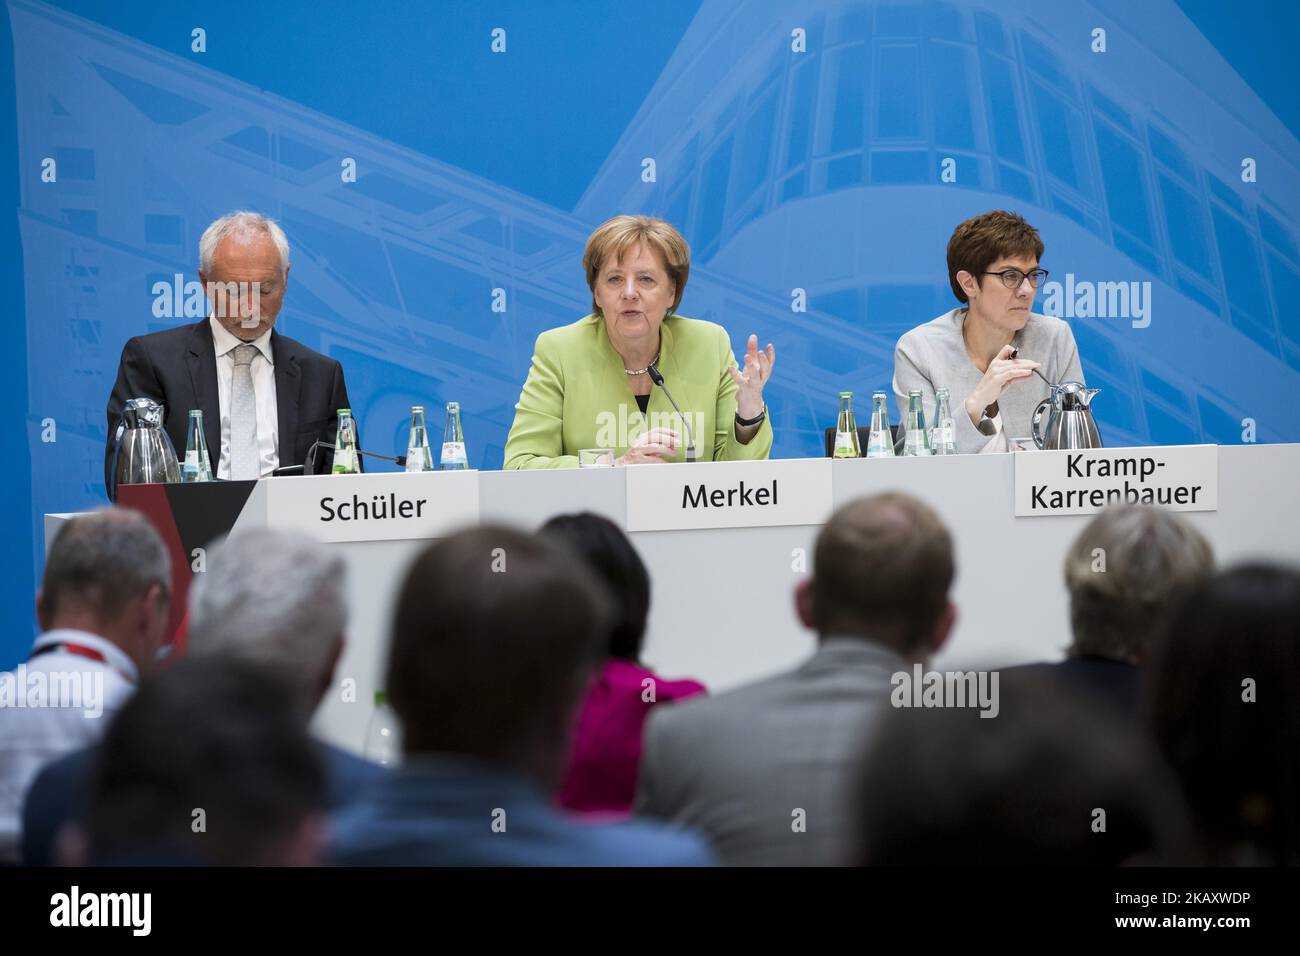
601, 775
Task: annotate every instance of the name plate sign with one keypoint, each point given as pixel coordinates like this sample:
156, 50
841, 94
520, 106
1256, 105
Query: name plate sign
379, 507
1180, 478
728, 494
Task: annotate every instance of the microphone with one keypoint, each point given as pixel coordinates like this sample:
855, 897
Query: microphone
311, 457
658, 379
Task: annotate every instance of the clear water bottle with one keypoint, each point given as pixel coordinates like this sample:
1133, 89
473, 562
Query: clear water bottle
197, 466
943, 440
916, 442
345, 445
846, 430
418, 455
880, 443
383, 734
453, 441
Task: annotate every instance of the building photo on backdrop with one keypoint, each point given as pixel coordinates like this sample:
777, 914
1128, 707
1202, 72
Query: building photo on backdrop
803, 230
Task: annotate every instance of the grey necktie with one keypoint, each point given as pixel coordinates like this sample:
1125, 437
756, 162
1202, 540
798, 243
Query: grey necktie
244, 458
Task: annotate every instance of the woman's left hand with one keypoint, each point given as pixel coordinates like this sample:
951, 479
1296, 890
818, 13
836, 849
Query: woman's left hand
749, 384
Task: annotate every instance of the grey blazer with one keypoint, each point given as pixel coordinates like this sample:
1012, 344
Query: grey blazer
739, 767
933, 356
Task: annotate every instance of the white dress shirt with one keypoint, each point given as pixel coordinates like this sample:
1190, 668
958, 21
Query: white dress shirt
82, 696
263, 370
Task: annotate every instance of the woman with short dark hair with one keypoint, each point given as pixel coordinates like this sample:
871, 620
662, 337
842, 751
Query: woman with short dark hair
986, 350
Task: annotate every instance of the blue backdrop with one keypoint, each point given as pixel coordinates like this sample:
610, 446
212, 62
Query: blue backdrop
815, 155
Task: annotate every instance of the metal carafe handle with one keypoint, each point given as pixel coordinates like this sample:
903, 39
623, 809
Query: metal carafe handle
1035, 422
117, 451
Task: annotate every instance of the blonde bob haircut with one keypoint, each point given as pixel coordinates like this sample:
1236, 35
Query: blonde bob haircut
615, 237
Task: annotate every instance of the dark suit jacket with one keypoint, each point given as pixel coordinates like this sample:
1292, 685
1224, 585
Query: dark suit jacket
178, 367
1115, 684
58, 794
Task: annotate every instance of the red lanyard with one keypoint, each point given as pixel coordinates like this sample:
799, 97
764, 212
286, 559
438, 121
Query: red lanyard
80, 650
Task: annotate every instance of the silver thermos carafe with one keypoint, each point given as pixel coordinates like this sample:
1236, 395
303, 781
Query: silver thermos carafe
1069, 419
143, 454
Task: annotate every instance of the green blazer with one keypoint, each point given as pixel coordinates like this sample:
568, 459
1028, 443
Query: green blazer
577, 396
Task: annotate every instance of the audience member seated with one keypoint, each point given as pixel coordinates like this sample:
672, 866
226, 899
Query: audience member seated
102, 608
209, 764
1127, 573
271, 597
1224, 709
1052, 780
601, 776
495, 637
763, 771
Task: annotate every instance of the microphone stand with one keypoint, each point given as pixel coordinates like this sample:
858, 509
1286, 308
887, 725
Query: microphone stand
311, 455
658, 379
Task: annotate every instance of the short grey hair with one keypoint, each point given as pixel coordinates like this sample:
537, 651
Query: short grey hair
1152, 560
103, 561
272, 597
242, 223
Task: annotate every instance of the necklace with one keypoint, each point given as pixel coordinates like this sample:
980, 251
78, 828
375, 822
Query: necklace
641, 371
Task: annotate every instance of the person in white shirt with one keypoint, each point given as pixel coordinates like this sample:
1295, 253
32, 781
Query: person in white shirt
102, 608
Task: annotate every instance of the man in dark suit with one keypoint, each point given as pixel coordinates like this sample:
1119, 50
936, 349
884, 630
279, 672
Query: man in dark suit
266, 399
1128, 573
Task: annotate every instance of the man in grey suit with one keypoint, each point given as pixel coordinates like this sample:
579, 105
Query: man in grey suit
766, 771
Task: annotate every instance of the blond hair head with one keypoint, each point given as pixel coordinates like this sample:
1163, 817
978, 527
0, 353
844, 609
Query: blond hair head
616, 236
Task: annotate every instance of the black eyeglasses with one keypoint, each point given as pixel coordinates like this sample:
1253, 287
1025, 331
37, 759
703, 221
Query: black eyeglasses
1011, 278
